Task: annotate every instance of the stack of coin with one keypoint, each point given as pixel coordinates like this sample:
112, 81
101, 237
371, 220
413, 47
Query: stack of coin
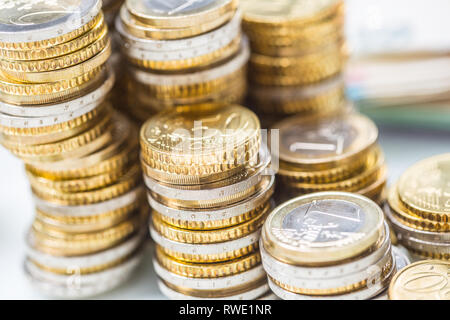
423, 280
327, 245
298, 53
81, 158
210, 189
181, 53
337, 153
418, 208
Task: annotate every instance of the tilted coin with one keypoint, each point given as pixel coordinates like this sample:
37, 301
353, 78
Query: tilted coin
425, 188
322, 228
423, 280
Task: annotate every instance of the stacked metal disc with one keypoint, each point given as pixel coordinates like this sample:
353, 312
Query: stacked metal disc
181, 53
298, 53
334, 153
81, 158
418, 208
328, 245
210, 189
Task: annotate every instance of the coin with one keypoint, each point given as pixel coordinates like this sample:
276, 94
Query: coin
423, 280
322, 228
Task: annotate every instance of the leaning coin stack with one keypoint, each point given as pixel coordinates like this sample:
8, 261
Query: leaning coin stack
328, 245
298, 53
418, 208
181, 53
81, 158
337, 153
209, 186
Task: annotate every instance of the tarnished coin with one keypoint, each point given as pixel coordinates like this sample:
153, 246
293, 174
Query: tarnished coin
322, 228
425, 188
179, 13
324, 143
29, 21
423, 280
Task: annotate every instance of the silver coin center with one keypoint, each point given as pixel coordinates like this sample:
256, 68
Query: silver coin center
323, 221
172, 7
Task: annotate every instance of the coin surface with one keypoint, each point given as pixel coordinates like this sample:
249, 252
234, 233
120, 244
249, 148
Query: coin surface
425, 187
325, 141
322, 228
423, 280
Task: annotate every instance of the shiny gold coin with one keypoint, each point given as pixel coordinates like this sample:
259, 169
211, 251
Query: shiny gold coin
200, 142
324, 143
124, 184
65, 146
424, 188
61, 74
194, 62
18, 93
286, 12
212, 258
60, 49
11, 67
410, 218
208, 270
423, 280
209, 236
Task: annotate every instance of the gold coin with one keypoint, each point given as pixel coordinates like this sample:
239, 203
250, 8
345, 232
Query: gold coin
18, 93
356, 224
72, 224
287, 12
60, 49
200, 142
212, 258
124, 184
180, 15
194, 62
65, 146
210, 236
424, 188
423, 280
208, 270
325, 143
410, 218
74, 71
144, 31
60, 39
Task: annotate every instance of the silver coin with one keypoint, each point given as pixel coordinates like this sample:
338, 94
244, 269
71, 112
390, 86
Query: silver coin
275, 267
37, 20
227, 282
401, 257
91, 209
191, 78
425, 246
269, 296
93, 98
205, 249
249, 295
83, 262
81, 280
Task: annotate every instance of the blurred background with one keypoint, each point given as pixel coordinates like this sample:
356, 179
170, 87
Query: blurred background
398, 74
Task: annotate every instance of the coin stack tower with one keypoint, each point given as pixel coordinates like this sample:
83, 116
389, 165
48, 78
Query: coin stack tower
181, 53
81, 157
298, 53
328, 245
334, 153
418, 208
208, 183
